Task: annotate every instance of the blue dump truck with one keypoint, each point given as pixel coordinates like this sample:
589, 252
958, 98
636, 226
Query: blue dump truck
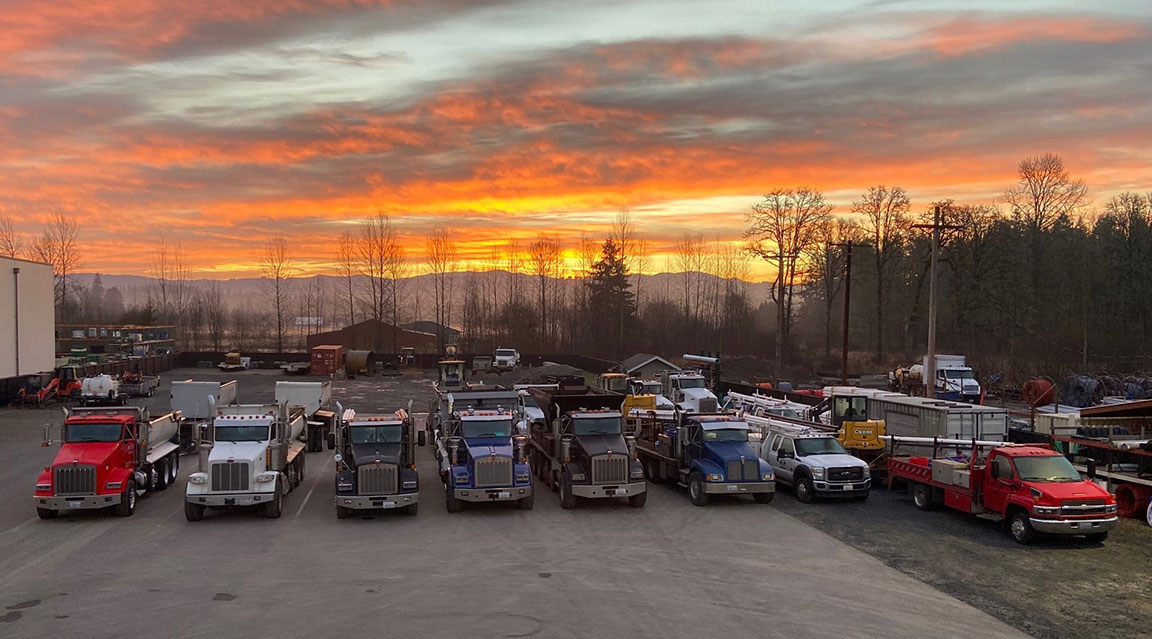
580, 448
481, 458
707, 452
375, 462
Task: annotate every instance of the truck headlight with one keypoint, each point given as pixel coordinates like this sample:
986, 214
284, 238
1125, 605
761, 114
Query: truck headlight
767, 477
817, 473
114, 485
578, 477
462, 479
345, 486
867, 472
1046, 510
198, 478
1110, 508
522, 477
410, 485
266, 477
715, 477
43, 486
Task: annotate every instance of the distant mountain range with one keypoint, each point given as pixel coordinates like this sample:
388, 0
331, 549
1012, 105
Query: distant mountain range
247, 292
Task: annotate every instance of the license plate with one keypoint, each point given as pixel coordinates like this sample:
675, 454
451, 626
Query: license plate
74, 504
733, 488
388, 504
503, 495
847, 487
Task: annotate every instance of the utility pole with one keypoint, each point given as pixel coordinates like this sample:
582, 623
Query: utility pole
930, 358
781, 311
847, 300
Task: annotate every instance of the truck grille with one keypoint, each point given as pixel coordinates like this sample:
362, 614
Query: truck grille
75, 480
708, 405
229, 476
1083, 507
851, 473
610, 469
377, 479
748, 470
493, 471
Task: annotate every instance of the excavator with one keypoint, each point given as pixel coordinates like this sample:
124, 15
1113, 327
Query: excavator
38, 389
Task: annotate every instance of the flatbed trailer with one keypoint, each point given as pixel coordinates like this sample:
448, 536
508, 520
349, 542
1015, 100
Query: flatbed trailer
144, 386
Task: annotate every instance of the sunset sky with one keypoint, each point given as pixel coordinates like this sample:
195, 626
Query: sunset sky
219, 124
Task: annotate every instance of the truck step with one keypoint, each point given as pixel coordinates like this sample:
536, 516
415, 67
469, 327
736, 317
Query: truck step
989, 516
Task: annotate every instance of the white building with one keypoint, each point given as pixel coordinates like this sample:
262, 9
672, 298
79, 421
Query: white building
27, 318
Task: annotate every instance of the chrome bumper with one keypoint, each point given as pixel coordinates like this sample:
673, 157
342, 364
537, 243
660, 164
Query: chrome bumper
739, 488
830, 489
1073, 526
511, 493
613, 490
87, 502
375, 502
230, 499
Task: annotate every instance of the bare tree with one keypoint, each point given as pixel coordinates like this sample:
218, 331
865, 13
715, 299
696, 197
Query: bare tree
382, 261
514, 266
624, 235
1044, 194
690, 258
886, 221
172, 281
215, 314
442, 261
544, 261
276, 268
348, 262
11, 241
641, 259
780, 228
58, 246
827, 259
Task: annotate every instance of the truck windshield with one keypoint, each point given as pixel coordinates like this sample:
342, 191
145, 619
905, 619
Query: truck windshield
818, 446
596, 426
93, 433
530, 402
505, 353
653, 389
690, 382
957, 373
726, 435
376, 434
1052, 468
851, 408
486, 428
241, 433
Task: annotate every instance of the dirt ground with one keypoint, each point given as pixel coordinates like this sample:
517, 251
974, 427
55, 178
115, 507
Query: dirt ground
1058, 588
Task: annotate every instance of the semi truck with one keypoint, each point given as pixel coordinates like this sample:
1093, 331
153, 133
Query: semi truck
688, 390
314, 398
249, 455
953, 380
480, 457
375, 462
190, 399
709, 453
581, 449
107, 457
1033, 490
506, 359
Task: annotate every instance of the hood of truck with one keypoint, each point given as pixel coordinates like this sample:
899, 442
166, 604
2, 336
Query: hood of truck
663, 402
87, 453
489, 446
369, 453
838, 460
238, 451
730, 451
696, 394
602, 444
1062, 491
533, 414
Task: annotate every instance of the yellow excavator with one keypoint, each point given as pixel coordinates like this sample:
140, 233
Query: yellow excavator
618, 382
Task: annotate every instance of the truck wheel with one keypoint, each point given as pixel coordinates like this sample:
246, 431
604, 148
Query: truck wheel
638, 501
161, 470
1020, 528
173, 469
193, 512
922, 497
1096, 538
526, 503
696, 490
450, 502
651, 474
412, 510
763, 498
343, 513
805, 491
567, 498
1148, 514
272, 509
47, 513
127, 504
293, 476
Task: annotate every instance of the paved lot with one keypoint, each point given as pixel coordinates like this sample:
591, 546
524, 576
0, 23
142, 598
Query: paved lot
603, 570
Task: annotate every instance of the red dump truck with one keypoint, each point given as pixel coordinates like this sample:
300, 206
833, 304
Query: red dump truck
108, 455
1033, 489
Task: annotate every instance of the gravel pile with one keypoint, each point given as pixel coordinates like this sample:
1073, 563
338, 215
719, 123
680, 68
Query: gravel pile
525, 375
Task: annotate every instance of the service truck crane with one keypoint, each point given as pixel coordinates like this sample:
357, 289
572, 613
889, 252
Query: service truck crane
581, 450
108, 456
253, 458
709, 453
375, 462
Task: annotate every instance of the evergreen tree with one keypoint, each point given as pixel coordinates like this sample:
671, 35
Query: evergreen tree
611, 313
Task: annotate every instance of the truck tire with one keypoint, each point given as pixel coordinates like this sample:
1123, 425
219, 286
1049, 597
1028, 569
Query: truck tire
412, 510
638, 501
161, 471
293, 473
763, 498
450, 502
47, 513
1096, 538
805, 490
1148, 514
1020, 528
526, 502
652, 472
567, 498
127, 504
174, 468
193, 512
273, 509
923, 498
343, 513
696, 490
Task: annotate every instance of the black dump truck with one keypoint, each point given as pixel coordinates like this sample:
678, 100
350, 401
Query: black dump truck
375, 462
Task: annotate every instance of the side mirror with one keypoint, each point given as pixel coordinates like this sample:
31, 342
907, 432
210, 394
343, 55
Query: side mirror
995, 470
1091, 470
421, 438
331, 441
781, 454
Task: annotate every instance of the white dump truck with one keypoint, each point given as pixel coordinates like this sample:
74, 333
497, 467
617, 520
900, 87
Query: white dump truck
249, 455
190, 398
315, 398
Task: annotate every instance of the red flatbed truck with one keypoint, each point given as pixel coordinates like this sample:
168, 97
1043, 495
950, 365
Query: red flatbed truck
1033, 489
